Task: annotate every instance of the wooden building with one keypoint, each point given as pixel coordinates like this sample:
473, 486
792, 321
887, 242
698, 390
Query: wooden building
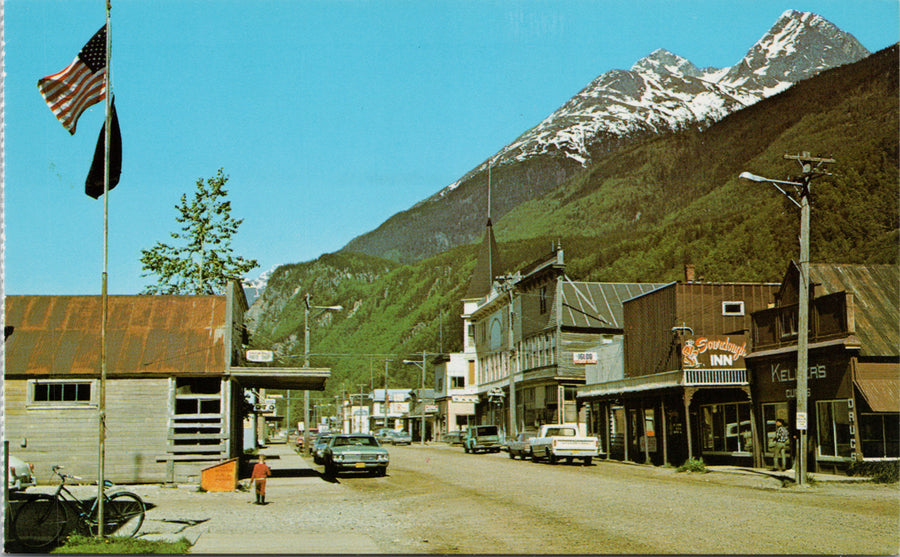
533, 334
853, 380
685, 389
175, 388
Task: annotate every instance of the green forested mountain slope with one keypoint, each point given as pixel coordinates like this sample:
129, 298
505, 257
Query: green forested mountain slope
639, 215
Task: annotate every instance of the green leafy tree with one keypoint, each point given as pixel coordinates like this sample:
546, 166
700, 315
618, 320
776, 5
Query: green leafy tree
201, 262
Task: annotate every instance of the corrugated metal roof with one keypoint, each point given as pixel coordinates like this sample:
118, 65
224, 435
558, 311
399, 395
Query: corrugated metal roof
876, 301
879, 383
60, 335
599, 304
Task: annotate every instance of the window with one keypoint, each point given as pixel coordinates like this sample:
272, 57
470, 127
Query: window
61, 393
726, 427
834, 429
733, 308
457, 382
543, 299
788, 324
879, 436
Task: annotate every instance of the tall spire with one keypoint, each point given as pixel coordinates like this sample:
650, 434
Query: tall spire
488, 265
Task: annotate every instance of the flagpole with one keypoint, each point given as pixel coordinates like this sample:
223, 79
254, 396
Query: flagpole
103, 295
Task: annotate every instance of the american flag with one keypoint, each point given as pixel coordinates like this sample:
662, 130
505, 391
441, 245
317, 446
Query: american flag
70, 92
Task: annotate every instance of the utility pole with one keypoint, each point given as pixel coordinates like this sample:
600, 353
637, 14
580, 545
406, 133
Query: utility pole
361, 396
387, 402
808, 173
422, 401
810, 168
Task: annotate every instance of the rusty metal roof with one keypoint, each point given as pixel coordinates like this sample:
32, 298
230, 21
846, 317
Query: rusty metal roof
879, 383
598, 305
146, 335
876, 301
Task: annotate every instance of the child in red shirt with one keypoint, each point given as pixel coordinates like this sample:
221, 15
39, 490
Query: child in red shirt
261, 470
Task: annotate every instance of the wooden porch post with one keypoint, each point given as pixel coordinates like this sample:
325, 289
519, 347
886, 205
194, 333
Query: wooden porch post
688, 395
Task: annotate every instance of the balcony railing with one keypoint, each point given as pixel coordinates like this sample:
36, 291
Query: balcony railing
694, 377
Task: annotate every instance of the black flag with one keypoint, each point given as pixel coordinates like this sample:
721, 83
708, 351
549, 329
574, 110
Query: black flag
93, 186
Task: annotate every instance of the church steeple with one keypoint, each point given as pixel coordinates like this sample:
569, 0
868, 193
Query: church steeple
488, 265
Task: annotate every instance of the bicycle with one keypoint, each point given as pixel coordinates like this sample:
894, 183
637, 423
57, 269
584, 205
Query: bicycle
43, 519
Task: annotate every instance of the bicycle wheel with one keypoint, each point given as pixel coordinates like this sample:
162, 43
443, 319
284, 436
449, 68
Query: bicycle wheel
40, 522
123, 514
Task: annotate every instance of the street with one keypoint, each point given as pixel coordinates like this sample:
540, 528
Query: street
437, 499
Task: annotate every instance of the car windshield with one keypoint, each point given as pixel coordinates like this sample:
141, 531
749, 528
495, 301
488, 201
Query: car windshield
355, 441
489, 430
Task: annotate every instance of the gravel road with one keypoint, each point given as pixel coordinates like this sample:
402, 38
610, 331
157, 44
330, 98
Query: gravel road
436, 499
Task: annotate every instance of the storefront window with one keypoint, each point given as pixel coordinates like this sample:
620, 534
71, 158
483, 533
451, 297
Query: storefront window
879, 435
726, 427
834, 428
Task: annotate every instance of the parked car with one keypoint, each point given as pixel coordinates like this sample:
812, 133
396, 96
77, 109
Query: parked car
21, 474
319, 447
453, 437
480, 438
519, 446
390, 436
400, 438
357, 452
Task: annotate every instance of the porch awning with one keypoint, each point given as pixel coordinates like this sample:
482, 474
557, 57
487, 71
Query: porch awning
879, 383
633, 384
295, 378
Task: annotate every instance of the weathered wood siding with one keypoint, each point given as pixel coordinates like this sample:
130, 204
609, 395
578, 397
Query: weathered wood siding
69, 436
648, 333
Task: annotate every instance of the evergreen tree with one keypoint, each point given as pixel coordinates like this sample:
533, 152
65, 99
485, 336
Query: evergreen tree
201, 262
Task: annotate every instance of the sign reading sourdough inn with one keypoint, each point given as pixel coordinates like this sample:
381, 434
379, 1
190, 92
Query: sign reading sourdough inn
700, 352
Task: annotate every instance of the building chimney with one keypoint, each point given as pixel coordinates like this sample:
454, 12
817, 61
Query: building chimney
689, 273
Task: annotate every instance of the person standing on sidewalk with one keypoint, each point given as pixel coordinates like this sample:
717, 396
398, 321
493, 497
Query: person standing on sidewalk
782, 438
260, 472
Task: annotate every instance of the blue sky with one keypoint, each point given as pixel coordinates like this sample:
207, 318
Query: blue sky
328, 116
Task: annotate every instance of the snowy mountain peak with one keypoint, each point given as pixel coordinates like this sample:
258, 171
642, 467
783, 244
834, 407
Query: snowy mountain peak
661, 61
798, 46
664, 92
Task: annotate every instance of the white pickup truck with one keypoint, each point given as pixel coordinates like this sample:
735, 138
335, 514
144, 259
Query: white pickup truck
556, 441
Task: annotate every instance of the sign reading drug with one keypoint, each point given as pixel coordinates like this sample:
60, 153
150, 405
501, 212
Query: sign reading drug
584, 358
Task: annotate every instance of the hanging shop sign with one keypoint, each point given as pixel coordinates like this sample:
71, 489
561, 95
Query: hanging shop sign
260, 356
698, 352
584, 358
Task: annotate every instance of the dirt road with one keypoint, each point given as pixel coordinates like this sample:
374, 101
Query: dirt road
437, 499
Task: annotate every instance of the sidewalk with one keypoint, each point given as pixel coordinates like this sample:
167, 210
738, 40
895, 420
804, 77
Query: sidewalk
786, 477
290, 471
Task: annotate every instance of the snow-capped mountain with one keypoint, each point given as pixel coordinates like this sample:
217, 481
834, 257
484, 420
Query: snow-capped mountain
254, 288
664, 92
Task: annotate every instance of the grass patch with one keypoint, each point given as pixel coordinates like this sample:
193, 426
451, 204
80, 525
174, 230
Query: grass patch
120, 545
692, 465
884, 472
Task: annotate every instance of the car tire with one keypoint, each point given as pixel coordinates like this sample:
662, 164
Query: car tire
512, 455
587, 461
551, 458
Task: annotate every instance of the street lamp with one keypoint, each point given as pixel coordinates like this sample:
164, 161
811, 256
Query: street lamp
808, 172
306, 365
421, 365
